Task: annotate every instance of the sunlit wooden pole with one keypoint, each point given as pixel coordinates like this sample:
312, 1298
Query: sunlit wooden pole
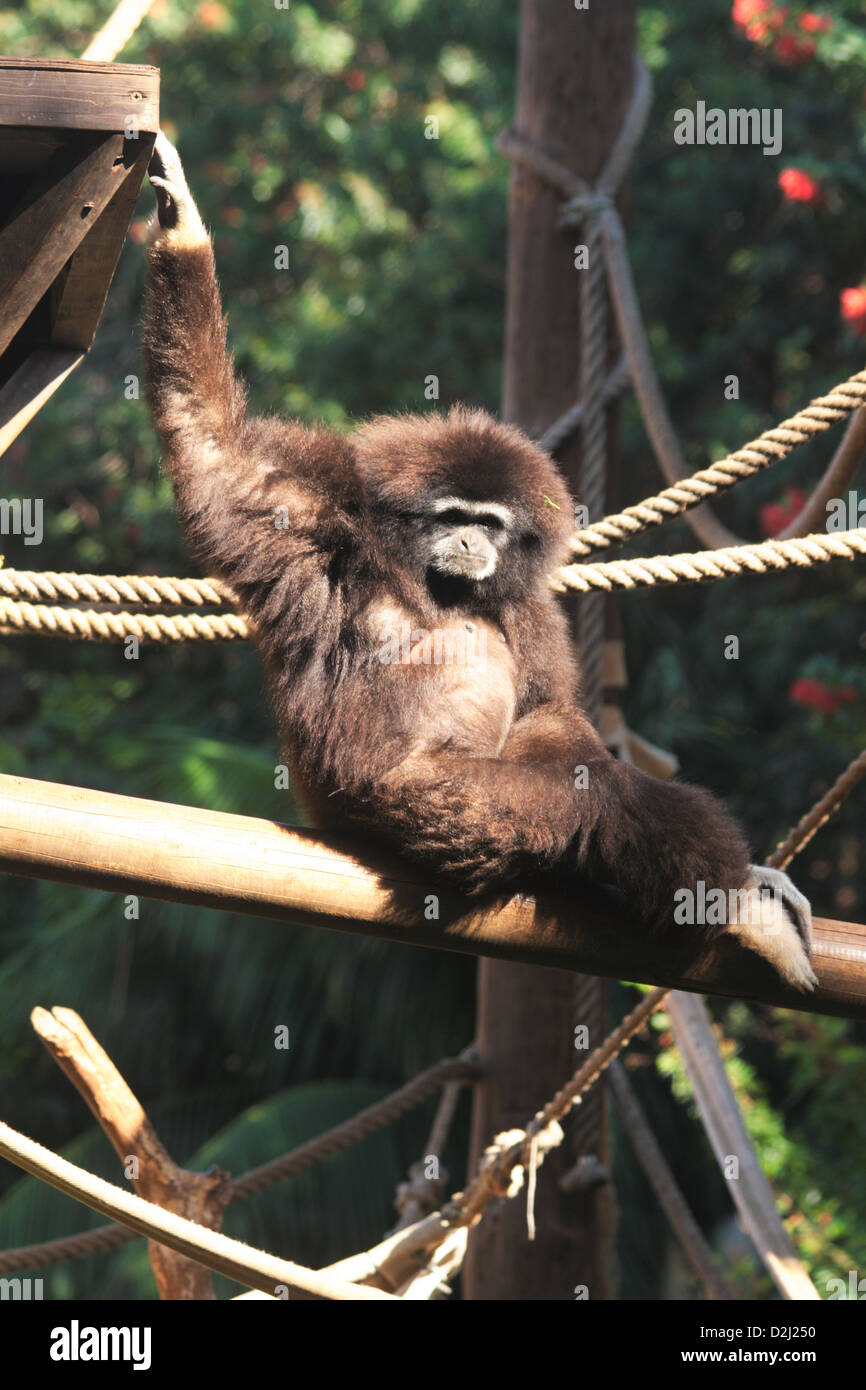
124, 844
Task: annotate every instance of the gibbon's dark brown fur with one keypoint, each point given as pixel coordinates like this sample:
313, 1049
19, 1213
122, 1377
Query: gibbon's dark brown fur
466, 767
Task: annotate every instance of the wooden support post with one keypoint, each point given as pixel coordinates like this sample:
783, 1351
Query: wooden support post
75, 140
574, 84
182, 854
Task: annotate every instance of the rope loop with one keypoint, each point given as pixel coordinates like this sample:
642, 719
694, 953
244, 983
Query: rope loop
583, 205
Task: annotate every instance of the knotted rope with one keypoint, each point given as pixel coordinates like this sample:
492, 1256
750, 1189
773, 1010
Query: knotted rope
771, 446
685, 492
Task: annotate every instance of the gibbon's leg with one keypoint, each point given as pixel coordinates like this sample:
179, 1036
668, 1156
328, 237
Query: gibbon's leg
556, 800
688, 833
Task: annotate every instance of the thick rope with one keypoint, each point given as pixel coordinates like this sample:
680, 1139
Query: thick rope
764, 557
692, 567
593, 456
596, 387
837, 476
568, 423
383, 1112
352, 1131
811, 823
659, 425
53, 1252
589, 992
35, 585
117, 31
699, 567
517, 1148
92, 626
597, 203
752, 458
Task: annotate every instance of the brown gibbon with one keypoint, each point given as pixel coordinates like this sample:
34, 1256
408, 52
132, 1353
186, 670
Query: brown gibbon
419, 666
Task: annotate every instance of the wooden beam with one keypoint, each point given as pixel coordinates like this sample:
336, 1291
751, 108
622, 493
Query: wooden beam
75, 140
77, 95
27, 390
58, 212
91, 270
182, 854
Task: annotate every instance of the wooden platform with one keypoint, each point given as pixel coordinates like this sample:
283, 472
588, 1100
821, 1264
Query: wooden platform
70, 171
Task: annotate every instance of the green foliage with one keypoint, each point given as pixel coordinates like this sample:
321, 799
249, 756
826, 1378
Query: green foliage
305, 128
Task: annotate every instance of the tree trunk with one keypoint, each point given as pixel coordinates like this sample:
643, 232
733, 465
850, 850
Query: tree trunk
574, 86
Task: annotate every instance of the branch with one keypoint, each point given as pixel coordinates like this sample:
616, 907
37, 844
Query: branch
255, 1268
201, 1197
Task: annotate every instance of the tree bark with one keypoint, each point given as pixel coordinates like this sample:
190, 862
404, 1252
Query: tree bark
573, 89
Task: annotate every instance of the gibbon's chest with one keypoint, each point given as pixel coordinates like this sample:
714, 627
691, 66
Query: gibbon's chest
456, 680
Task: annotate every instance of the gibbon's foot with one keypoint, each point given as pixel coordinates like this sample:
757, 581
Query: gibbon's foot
177, 222
775, 920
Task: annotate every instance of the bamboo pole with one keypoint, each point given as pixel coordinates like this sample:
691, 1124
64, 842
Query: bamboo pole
182, 854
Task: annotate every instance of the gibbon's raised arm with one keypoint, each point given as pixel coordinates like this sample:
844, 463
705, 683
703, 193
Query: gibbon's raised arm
242, 484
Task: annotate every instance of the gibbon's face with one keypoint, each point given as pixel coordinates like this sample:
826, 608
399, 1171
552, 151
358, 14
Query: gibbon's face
470, 546
467, 537
470, 506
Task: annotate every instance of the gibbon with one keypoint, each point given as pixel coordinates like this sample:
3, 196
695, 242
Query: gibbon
419, 666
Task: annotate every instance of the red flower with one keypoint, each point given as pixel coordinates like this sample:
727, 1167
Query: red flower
852, 306
799, 187
356, 80
816, 695
775, 516
793, 51
211, 15
758, 18
812, 23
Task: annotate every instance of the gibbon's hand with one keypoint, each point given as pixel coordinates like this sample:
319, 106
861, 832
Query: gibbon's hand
778, 927
175, 207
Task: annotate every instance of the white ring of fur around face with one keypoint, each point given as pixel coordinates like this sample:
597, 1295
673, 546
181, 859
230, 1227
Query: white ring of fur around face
474, 508
471, 508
